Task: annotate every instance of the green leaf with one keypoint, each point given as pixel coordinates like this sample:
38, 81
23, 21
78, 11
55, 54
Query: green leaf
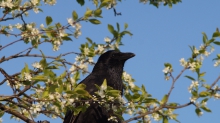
118, 27
114, 93
52, 88
48, 20
40, 78
26, 68
98, 12
205, 38
52, 67
206, 109
43, 63
1, 113
104, 3
81, 2
165, 99
125, 26
198, 111
202, 74
111, 28
204, 94
126, 32
104, 84
165, 120
88, 13
216, 34
66, 38
89, 40
74, 15
45, 93
80, 87
189, 77
76, 76
204, 100
94, 21
216, 42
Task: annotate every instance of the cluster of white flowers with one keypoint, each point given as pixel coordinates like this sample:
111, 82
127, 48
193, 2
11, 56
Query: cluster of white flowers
155, 116
81, 65
35, 108
194, 84
75, 25
56, 45
6, 3
37, 65
27, 76
127, 78
32, 33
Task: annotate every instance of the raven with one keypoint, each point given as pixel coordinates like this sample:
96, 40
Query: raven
110, 67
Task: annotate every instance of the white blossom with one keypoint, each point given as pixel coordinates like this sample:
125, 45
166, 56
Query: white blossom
217, 96
36, 10
206, 53
34, 2
70, 21
78, 26
73, 68
193, 99
196, 51
37, 65
90, 59
183, 62
195, 83
86, 50
18, 25
167, 69
36, 108
156, 116
217, 63
7, 3
107, 39
100, 49
10, 27
200, 113
42, 26
192, 66
27, 76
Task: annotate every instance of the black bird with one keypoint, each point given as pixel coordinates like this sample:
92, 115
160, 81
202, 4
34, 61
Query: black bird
110, 67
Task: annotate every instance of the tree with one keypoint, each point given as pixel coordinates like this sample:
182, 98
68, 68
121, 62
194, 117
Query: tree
49, 85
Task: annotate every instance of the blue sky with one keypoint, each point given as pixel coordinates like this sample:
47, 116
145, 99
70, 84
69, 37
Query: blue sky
159, 36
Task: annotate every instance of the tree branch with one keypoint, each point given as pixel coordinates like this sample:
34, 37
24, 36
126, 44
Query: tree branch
15, 113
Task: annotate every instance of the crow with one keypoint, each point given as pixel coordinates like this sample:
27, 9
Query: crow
110, 67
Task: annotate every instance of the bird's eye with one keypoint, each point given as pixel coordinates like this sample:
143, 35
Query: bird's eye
113, 55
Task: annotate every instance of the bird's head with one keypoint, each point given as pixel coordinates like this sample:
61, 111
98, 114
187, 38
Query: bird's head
114, 57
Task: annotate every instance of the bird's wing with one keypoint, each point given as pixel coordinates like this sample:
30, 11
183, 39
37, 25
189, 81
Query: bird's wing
90, 82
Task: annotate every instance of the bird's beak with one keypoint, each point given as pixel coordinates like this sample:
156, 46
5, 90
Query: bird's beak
126, 56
